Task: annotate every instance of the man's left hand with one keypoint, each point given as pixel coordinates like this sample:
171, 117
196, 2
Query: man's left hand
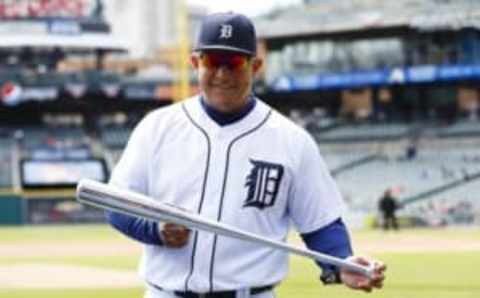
358, 281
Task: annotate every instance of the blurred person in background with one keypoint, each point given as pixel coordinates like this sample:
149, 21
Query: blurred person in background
388, 206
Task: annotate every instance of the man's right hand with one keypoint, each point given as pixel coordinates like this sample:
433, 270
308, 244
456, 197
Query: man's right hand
173, 235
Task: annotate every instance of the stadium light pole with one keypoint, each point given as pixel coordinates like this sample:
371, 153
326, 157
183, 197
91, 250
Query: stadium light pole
182, 79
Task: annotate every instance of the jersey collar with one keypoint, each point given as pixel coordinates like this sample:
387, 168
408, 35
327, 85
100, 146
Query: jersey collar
223, 119
249, 119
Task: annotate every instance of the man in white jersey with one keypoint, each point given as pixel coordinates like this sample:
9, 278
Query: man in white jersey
227, 156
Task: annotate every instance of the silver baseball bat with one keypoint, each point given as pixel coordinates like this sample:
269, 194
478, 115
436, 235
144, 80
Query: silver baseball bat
128, 202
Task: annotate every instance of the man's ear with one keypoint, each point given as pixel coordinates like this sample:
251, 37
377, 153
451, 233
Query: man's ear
194, 60
257, 65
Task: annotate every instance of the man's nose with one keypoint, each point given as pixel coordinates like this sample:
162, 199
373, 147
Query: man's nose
222, 70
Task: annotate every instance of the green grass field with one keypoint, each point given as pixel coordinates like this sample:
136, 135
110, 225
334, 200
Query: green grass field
410, 275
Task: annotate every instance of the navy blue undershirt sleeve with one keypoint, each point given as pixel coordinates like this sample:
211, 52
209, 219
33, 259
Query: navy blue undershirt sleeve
332, 239
136, 228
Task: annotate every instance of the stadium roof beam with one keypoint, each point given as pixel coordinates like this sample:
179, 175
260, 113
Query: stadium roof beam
81, 42
333, 18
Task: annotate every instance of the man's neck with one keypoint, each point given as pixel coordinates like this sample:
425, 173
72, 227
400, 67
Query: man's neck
223, 118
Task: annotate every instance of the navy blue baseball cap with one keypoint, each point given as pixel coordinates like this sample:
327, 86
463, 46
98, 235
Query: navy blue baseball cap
228, 32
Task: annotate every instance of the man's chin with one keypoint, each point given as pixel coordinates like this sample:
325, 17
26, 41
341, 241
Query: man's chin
223, 89
224, 94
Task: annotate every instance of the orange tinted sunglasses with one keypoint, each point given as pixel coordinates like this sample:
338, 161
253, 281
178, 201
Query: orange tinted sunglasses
233, 61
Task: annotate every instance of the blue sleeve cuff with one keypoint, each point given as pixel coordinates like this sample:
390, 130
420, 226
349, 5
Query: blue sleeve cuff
136, 228
332, 239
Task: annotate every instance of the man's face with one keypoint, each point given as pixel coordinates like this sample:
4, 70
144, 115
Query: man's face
225, 78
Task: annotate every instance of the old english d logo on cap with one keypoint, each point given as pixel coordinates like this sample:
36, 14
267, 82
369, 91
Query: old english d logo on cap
227, 32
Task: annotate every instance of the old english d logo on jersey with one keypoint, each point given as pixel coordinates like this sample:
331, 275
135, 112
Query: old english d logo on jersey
263, 183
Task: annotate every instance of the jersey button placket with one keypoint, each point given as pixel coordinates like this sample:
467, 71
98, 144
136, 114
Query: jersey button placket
221, 141
211, 207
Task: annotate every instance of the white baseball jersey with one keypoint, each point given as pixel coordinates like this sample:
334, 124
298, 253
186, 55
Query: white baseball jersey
258, 174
